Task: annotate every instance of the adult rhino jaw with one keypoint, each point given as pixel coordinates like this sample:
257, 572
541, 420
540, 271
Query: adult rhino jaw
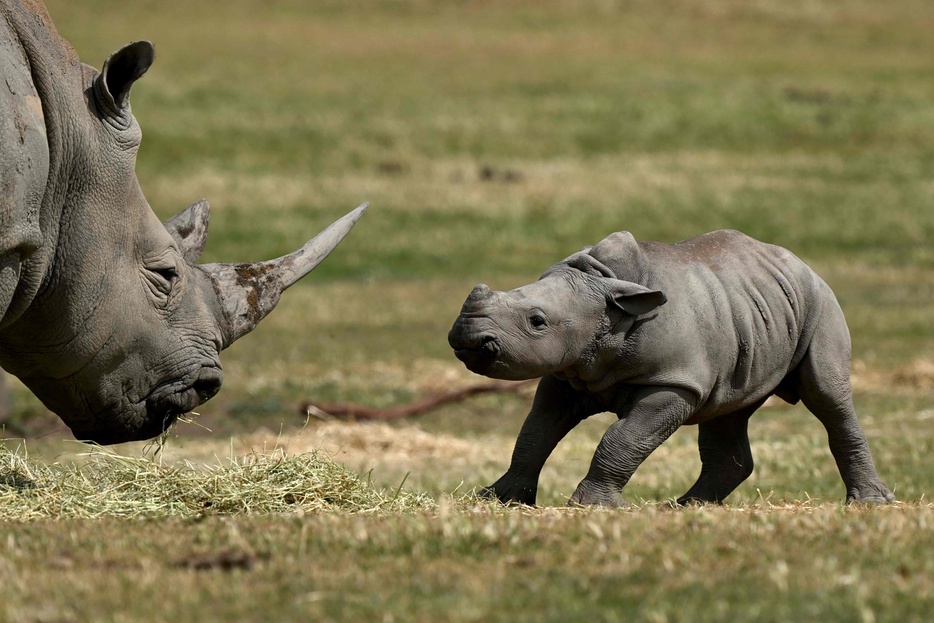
248, 292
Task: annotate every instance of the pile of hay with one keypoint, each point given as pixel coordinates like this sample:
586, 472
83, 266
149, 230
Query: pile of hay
108, 484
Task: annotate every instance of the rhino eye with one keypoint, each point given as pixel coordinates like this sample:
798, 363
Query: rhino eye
537, 321
166, 273
164, 278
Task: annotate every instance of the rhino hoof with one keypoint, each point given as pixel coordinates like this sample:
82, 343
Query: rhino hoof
593, 496
693, 502
487, 493
506, 495
874, 493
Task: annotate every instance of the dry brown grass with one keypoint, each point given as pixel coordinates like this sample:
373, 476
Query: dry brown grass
107, 484
916, 375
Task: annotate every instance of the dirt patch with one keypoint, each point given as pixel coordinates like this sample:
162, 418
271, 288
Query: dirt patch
917, 375
224, 560
356, 443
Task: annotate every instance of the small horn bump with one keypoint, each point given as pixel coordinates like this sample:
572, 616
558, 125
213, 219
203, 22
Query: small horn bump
189, 229
480, 292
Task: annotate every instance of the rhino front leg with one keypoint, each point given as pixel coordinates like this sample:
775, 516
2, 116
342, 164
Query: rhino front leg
556, 410
655, 413
726, 458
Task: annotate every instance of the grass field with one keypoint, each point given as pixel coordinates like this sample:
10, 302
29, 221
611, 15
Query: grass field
493, 139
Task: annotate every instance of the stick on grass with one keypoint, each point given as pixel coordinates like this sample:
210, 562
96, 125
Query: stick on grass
351, 411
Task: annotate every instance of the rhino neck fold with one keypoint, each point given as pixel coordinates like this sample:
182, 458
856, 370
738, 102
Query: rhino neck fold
57, 76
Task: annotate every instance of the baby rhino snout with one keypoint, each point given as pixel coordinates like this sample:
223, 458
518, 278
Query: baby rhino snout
478, 350
464, 337
472, 336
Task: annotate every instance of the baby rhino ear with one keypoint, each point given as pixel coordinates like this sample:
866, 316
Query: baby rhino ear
633, 298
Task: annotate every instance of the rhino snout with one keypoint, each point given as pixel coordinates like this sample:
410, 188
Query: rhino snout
181, 397
167, 402
207, 388
477, 351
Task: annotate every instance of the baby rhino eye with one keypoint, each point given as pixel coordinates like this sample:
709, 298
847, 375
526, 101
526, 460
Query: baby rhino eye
537, 321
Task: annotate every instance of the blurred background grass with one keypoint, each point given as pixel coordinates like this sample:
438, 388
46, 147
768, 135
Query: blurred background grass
495, 138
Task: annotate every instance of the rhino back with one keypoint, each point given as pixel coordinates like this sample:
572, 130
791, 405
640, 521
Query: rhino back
739, 317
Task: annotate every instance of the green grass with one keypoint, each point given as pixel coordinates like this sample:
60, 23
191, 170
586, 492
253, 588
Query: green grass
493, 139
475, 563
293, 537
809, 128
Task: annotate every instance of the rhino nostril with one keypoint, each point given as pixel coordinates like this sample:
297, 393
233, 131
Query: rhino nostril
206, 388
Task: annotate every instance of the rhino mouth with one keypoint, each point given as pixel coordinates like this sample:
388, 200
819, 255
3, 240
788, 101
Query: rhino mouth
480, 356
179, 398
168, 401
155, 413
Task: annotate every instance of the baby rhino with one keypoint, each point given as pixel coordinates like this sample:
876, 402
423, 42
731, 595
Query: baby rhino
700, 332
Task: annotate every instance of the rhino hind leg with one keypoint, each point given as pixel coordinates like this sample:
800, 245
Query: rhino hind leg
823, 382
726, 458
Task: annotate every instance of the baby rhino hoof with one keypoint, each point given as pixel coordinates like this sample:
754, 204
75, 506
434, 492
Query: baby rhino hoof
594, 496
508, 494
872, 494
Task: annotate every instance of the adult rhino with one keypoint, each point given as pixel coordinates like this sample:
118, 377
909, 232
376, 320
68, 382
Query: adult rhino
105, 316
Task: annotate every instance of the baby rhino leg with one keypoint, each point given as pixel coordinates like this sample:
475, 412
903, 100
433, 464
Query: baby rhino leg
653, 414
823, 382
557, 409
726, 459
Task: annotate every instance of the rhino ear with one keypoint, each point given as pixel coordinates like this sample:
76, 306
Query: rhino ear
586, 263
633, 298
189, 229
122, 69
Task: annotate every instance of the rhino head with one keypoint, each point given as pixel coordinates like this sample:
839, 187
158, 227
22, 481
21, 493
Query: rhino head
114, 326
550, 326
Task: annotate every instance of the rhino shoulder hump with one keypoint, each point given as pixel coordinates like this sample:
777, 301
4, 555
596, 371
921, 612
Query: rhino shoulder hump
619, 239
623, 254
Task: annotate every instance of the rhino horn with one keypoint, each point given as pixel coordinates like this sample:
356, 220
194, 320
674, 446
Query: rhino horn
480, 293
478, 300
189, 229
248, 292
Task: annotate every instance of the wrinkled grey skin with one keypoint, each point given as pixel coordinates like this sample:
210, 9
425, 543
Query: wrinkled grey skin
103, 313
700, 332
